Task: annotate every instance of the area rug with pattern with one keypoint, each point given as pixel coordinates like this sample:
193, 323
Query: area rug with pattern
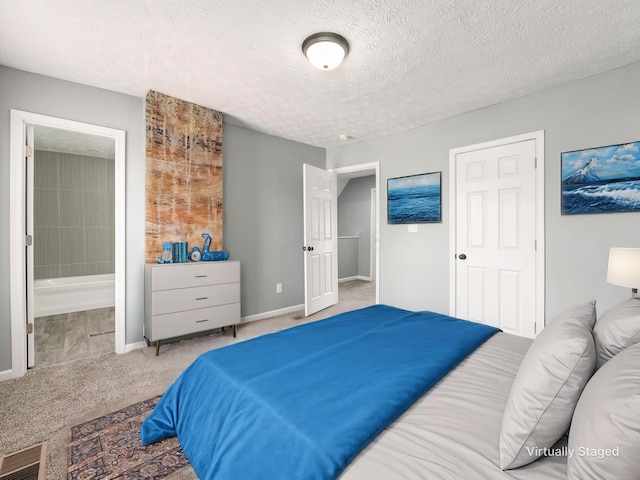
109, 447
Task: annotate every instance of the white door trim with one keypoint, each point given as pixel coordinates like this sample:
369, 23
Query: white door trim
372, 237
538, 137
18, 123
359, 168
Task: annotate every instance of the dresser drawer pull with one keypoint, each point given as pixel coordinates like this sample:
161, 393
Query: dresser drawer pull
202, 298
202, 321
201, 276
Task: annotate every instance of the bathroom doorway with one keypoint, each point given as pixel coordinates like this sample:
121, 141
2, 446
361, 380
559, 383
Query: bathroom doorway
73, 205
67, 262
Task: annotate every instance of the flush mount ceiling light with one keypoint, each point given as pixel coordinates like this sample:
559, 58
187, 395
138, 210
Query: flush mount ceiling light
325, 50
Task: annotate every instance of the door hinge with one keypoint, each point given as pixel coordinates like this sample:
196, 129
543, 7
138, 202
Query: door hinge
28, 240
535, 162
28, 151
535, 328
29, 328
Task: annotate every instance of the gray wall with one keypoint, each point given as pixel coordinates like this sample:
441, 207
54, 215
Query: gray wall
74, 216
354, 219
262, 196
262, 202
348, 257
48, 96
600, 110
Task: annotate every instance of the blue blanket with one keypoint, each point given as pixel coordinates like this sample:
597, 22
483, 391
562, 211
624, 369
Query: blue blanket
301, 403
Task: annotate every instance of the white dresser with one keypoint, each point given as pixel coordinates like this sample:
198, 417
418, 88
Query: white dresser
185, 298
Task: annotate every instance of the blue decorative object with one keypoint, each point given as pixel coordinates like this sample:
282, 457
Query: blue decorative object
183, 252
208, 256
207, 242
167, 253
215, 256
196, 254
167, 257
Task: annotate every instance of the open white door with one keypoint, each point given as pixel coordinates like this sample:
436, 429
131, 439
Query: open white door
28, 156
320, 239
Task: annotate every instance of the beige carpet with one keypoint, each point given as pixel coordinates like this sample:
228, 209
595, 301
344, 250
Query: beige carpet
48, 401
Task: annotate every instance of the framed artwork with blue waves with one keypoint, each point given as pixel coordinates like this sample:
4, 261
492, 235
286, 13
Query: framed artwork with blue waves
415, 199
601, 180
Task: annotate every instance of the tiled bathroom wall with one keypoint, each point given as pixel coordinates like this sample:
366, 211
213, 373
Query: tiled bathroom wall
74, 215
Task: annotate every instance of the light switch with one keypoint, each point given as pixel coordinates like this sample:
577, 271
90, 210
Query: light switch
413, 228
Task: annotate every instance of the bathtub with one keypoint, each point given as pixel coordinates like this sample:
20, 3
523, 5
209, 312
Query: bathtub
73, 294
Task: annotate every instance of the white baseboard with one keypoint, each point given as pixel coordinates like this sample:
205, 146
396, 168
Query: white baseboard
355, 277
130, 347
272, 313
6, 375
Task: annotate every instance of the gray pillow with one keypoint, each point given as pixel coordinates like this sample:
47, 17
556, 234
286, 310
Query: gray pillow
604, 440
547, 386
617, 329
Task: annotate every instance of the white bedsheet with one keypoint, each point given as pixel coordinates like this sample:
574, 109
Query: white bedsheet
452, 432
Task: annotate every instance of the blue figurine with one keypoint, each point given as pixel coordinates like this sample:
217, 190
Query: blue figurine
208, 256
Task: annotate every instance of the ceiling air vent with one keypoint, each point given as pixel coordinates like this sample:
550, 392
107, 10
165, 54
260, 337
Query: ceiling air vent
27, 464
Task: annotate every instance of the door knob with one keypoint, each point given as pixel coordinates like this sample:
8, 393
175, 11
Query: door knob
462, 256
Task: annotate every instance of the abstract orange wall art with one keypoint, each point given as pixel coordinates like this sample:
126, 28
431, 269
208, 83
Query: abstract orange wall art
183, 173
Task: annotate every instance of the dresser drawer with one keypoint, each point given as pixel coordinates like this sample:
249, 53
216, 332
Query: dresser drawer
193, 321
167, 277
169, 301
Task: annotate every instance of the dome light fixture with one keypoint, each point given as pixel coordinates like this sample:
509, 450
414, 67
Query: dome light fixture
325, 50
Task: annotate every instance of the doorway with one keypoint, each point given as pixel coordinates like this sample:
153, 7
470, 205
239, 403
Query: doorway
71, 203
320, 232
77, 263
362, 244
497, 233
356, 226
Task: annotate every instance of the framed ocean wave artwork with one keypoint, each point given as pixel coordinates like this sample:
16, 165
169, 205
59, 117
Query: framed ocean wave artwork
415, 199
601, 180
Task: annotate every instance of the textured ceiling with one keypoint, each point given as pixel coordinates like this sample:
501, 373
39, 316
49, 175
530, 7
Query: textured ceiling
411, 61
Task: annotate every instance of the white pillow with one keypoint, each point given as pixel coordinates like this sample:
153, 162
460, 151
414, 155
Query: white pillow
547, 386
604, 440
617, 329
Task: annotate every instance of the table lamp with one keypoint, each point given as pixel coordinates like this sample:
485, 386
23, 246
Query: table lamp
624, 268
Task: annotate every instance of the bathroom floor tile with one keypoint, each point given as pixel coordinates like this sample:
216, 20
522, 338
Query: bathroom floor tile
69, 336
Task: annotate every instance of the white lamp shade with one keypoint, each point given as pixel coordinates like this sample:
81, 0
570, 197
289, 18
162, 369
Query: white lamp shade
624, 267
325, 55
325, 50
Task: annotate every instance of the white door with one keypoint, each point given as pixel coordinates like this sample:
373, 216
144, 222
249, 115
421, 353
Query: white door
495, 251
320, 239
29, 169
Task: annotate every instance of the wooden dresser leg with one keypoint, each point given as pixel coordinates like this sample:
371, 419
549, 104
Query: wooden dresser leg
157, 347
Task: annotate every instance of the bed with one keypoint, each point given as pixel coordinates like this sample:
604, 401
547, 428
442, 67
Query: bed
452, 432
323, 416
